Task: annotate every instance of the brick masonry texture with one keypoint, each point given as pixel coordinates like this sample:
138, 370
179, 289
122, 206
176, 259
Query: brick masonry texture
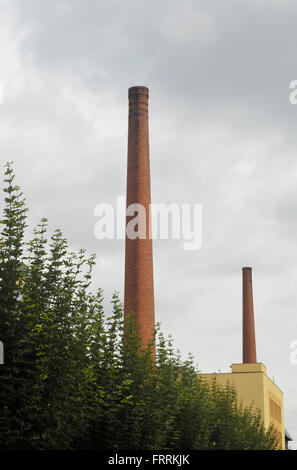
248, 323
139, 281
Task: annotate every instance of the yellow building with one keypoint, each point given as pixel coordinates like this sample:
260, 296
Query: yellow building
255, 387
250, 378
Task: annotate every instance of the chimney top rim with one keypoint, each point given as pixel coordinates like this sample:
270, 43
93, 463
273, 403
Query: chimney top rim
138, 90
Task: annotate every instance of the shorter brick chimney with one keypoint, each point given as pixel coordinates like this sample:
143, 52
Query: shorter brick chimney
248, 322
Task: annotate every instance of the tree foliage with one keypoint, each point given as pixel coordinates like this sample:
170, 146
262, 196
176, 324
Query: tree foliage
70, 381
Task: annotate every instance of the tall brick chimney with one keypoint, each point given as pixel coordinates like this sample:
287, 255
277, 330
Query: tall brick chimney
248, 323
139, 281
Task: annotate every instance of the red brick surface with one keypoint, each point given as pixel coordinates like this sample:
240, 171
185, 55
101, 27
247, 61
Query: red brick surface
248, 323
139, 282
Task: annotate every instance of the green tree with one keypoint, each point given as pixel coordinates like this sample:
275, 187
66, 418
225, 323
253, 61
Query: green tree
71, 381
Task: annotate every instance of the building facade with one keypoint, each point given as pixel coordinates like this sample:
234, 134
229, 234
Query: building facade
254, 387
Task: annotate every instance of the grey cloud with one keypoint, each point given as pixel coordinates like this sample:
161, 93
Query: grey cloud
223, 134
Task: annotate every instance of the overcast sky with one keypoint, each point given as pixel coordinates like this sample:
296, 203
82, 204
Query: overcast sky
222, 134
